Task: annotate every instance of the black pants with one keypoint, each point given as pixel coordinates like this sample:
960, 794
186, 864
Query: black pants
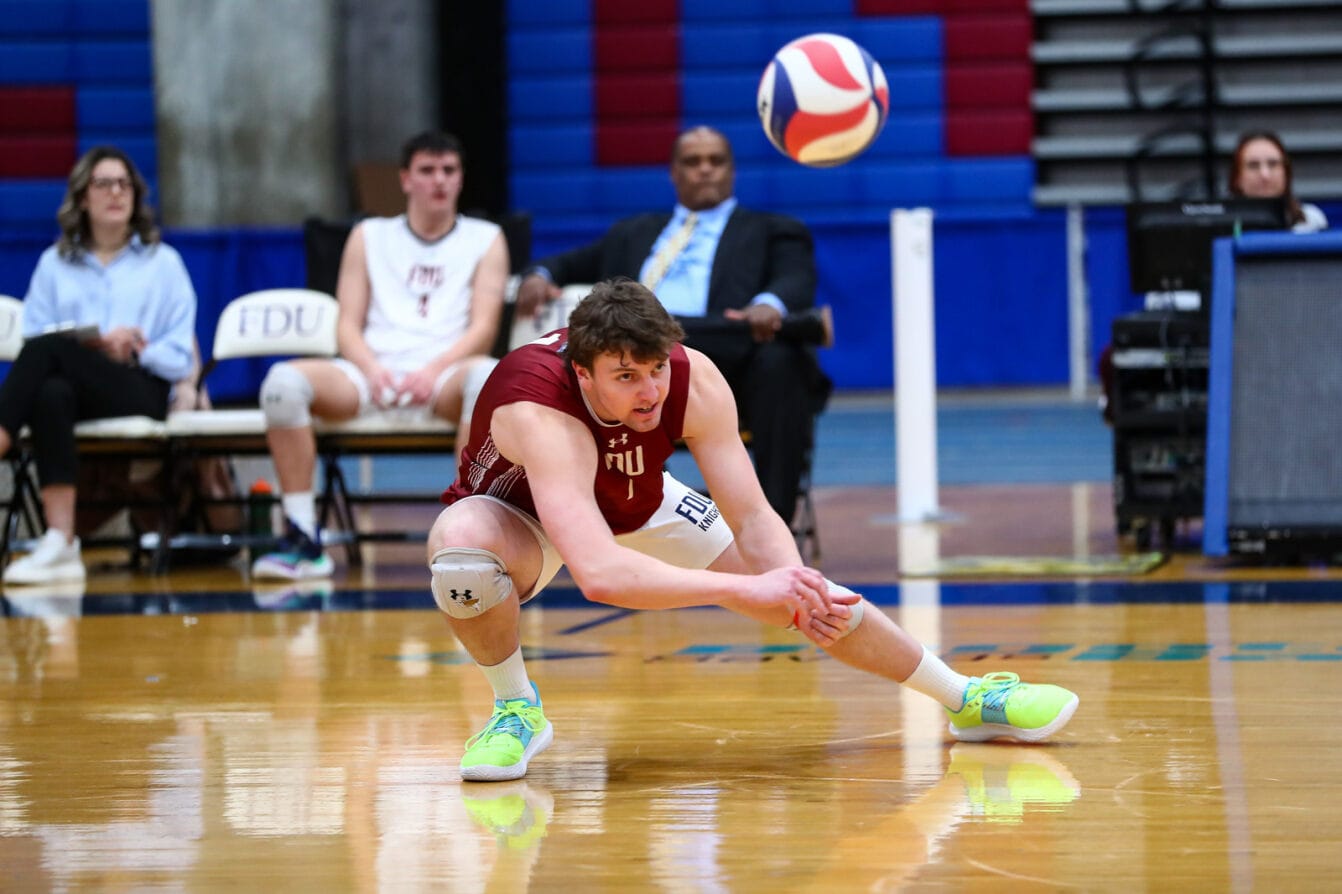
55, 382
779, 389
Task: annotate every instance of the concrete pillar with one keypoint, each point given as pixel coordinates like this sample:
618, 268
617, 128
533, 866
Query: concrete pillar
390, 87
248, 114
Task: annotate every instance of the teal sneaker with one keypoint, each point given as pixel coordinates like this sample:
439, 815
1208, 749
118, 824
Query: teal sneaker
516, 733
1000, 706
298, 557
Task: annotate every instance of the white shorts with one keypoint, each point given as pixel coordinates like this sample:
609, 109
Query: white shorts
686, 531
366, 405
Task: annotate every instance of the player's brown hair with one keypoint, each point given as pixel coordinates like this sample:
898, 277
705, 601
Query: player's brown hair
620, 316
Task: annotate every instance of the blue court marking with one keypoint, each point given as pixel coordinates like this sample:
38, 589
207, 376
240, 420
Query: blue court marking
530, 653
996, 653
1075, 593
618, 614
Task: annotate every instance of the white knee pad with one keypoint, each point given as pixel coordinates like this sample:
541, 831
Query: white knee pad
468, 582
470, 388
286, 397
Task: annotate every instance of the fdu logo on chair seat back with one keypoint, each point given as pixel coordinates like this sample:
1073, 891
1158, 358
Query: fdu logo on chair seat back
277, 321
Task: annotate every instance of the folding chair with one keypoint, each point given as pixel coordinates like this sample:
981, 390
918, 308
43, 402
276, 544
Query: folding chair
133, 437
300, 322
22, 505
267, 323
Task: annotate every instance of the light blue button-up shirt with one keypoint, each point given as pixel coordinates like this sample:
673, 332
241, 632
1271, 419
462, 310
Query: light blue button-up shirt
145, 286
684, 288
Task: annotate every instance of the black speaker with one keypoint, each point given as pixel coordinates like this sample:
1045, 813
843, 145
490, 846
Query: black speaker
1274, 476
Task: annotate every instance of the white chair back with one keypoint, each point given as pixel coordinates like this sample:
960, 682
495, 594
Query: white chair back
11, 327
277, 322
553, 315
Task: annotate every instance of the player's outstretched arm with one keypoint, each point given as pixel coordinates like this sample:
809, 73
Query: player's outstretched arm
713, 439
561, 460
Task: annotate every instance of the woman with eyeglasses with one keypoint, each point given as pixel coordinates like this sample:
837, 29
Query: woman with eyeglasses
1261, 169
108, 322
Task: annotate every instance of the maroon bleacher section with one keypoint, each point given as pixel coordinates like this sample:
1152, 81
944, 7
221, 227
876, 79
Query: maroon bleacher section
988, 74
636, 55
37, 131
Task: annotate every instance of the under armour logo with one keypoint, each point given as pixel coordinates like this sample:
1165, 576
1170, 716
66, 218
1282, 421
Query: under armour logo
616, 442
464, 598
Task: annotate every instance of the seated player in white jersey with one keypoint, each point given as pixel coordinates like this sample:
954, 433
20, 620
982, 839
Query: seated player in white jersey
565, 466
421, 295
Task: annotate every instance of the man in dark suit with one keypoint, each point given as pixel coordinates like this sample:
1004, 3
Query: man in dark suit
742, 284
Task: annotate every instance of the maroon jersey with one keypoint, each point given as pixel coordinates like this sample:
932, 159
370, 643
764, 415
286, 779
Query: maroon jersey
629, 468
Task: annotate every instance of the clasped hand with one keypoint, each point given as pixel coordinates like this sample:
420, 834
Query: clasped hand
821, 615
122, 344
390, 389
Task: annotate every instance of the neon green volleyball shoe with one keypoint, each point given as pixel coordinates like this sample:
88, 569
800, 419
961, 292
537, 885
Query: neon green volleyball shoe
1000, 706
516, 733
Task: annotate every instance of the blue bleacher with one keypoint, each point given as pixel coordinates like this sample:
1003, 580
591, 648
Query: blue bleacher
106, 62
566, 190
524, 13
549, 51
125, 17
988, 179
550, 98
25, 202
629, 190
547, 146
30, 18
115, 108
142, 149
24, 60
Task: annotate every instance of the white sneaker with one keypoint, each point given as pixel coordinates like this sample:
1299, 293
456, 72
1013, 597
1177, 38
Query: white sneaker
52, 561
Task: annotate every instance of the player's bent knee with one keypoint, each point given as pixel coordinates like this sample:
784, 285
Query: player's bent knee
467, 582
286, 397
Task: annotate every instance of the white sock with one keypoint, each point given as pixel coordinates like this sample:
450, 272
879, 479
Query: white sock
301, 509
509, 678
933, 678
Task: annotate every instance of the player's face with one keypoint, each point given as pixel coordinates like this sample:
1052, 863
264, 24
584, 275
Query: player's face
432, 182
110, 199
622, 389
702, 171
1262, 173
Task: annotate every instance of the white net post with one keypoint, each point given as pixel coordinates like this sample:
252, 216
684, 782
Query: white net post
915, 365
1078, 304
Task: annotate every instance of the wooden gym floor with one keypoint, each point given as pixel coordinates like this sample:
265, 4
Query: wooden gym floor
188, 732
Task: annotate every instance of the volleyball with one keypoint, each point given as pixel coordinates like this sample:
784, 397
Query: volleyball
822, 100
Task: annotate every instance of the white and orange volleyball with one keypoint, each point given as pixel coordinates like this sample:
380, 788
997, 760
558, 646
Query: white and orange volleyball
822, 100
